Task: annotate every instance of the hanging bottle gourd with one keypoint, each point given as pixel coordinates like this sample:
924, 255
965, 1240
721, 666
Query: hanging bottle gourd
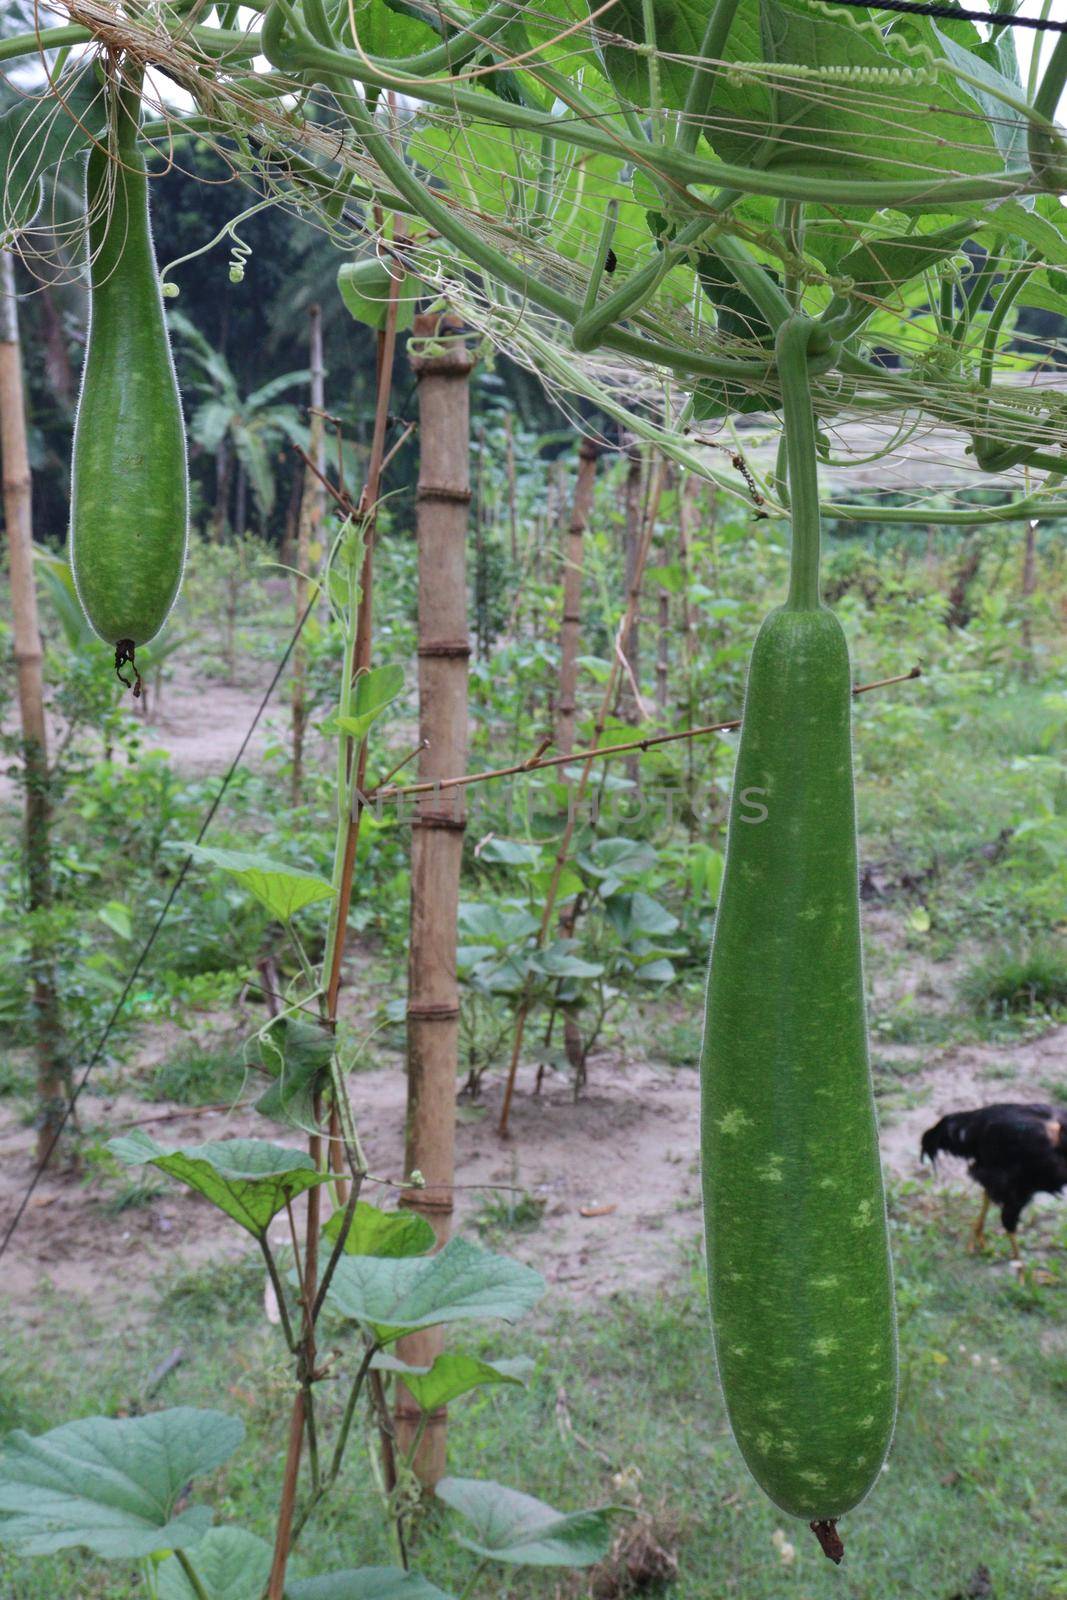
798, 1261
129, 481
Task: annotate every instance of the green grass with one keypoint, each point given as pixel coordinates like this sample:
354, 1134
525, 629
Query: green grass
196, 1076
977, 1476
1013, 982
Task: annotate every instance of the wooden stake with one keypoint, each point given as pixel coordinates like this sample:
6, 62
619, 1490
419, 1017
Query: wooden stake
53, 1072
443, 496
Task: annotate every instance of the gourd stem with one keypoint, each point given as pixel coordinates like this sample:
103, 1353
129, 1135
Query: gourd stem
511, 271
702, 84
591, 326
791, 347
1046, 149
600, 260
299, 52
192, 1575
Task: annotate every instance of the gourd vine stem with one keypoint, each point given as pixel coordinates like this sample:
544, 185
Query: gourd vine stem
511, 272
590, 327
468, 1587
192, 1575
32, 44
279, 1290
1005, 300
302, 53
791, 348
655, 92
1045, 149
757, 284
701, 89
596, 274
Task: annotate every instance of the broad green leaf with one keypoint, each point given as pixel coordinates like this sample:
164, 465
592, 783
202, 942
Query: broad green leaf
516, 1528
110, 1484
452, 1374
365, 1583
1008, 126
495, 925
116, 916
249, 1179
37, 132
1035, 228
231, 1563
877, 266
283, 890
366, 287
297, 1053
389, 1234
679, 28
918, 126
462, 1282
510, 852
560, 960
375, 691
672, 578
638, 913
658, 969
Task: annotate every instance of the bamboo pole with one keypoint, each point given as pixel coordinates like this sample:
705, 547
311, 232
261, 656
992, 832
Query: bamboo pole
52, 1066
442, 371
633, 501
513, 521
309, 528
687, 499
571, 628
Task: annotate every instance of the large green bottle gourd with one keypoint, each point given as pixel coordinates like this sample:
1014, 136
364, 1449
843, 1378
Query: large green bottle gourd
129, 482
798, 1261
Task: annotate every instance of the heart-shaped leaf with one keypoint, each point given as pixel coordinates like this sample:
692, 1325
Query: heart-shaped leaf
461, 1282
111, 1484
516, 1528
452, 1374
365, 1583
249, 1179
231, 1564
383, 1233
375, 692
283, 890
298, 1054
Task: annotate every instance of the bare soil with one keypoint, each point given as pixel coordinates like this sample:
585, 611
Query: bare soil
617, 1172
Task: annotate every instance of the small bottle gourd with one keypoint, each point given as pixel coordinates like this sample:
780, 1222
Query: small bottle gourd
129, 479
799, 1272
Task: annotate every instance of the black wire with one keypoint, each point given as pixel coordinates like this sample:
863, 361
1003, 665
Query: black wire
999, 19
209, 817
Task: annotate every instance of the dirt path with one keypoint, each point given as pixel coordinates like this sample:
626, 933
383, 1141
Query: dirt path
617, 1174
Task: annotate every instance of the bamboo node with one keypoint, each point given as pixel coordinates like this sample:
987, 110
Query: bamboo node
430, 1011
439, 819
446, 649
443, 491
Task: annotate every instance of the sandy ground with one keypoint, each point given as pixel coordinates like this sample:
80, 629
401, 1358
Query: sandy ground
617, 1173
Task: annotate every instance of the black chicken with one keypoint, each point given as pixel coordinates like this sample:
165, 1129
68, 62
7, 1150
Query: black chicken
1013, 1151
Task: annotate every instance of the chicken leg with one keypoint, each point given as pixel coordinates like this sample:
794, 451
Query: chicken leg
978, 1239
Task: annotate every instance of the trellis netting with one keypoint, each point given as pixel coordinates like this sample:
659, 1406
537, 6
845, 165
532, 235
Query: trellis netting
629, 198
